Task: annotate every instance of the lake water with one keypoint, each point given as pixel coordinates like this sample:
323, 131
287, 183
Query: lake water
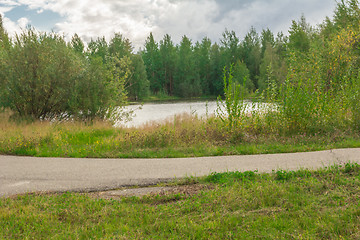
159, 112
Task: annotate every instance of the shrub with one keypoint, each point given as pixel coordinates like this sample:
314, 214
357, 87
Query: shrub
43, 78
232, 109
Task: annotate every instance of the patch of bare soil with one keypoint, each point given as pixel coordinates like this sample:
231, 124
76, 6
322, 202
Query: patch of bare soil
187, 190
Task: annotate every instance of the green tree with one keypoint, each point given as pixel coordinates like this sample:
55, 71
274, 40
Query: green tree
273, 61
92, 93
136, 83
168, 56
281, 42
299, 36
267, 39
120, 46
77, 44
251, 54
347, 13
98, 48
230, 48
216, 84
138, 86
152, 60
202, 59
187, 82
241, 75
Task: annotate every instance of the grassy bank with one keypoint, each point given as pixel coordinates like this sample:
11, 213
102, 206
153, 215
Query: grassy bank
321, 204
183, 136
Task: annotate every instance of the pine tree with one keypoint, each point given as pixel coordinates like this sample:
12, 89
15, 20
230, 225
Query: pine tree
299, 36
202, 59
99, 48
77, 44
120, 46
139, 85
216, 83
251, 54
152, 60
187, 83
230, 48
169, 59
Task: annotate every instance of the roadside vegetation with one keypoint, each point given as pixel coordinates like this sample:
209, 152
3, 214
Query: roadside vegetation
322, 204
65, 108
182, 136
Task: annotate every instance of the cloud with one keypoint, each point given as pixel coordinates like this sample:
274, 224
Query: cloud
9, 3
135, 19
4, 10
23, 22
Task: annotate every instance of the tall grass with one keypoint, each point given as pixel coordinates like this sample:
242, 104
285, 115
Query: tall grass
183, 136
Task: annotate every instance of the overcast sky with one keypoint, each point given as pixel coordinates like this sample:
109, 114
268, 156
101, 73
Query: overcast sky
135, 19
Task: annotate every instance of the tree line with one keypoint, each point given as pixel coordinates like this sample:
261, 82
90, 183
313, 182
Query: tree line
192, 70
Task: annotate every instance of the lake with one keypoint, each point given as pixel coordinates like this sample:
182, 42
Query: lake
158, 112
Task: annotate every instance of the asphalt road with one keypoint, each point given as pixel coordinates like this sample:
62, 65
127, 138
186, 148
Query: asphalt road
20, 175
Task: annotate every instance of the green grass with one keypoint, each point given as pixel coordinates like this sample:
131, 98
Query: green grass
303, 204
185, 136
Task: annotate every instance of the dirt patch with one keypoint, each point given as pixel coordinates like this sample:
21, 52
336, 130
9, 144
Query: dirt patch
186, 190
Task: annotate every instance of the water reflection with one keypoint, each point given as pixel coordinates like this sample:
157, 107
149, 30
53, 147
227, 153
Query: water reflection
158, 112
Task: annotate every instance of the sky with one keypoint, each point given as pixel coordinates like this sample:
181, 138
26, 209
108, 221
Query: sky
135, 19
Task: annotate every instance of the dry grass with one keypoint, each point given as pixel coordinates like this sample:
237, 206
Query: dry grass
183, 136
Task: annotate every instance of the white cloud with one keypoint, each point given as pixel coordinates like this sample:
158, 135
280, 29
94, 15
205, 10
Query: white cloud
9, 2
23, 22
4, 10
10, 26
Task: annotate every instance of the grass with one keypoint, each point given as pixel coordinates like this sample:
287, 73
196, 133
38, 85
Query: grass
302, 204
185, 136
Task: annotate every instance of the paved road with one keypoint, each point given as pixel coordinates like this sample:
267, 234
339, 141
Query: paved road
28, 174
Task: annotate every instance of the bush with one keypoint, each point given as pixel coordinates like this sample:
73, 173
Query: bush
43, 78
232, 109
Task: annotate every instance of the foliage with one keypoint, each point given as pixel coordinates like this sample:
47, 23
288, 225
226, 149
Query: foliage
45, 78
170, 67
77, 44
138, 86
202, 61
299, 38
232, 110
278, 68
251, 54
152, 61
322, 83
168, 53
187, 82
242, 75
40, 71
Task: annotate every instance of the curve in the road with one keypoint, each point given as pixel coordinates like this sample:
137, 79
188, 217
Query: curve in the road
20, 175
